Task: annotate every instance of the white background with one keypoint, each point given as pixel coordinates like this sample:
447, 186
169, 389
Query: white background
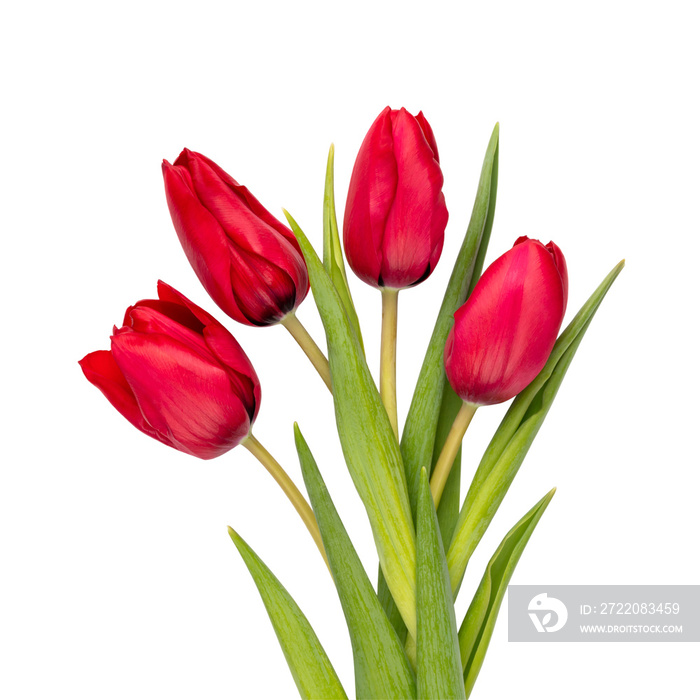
118, 578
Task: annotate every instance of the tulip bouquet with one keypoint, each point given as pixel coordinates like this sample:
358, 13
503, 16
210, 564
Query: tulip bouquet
179, 376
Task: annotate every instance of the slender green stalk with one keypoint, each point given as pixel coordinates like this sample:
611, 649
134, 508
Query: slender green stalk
308, 345
411, 651
387, 367
291, 491
450, 449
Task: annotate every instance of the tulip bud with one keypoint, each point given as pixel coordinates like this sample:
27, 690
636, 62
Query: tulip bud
248, 261
395, 215
504, 333
178, 375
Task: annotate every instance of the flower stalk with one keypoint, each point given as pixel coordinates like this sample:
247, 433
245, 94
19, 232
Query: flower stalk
450, 449
308, 345
255, 447
387, 367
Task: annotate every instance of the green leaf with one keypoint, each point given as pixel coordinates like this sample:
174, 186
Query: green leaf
515, 434
311, 669
418, 439
439, 672
333, 252
381, 667
369, 445
389, 606
477, 628
417, 446
488, 224
448, 510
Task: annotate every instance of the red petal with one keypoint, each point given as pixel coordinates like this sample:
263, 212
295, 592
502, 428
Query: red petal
224, 347
428, 133
171, 296
560, 262
268, 276
241, 372
185, 398
243, 193
101, 370
416, 223
148, 320
264, 292
370, 197
172, 310
202, 238
505, 332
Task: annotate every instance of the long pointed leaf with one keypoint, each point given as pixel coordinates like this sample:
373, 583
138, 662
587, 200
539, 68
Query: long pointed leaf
418, 439
389, 606
367, 438
477, 628
311, 669
422, 439
381, 667
516, 433
439, 672
333, 252
488, 224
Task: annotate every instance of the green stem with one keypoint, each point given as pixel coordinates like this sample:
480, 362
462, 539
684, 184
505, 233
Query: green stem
307, 344
291, 491
387, 367
411, 651
449, 450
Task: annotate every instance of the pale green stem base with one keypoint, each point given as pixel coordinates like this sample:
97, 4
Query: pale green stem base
289, 488
411, 651
307, 344
387, 366
449, 450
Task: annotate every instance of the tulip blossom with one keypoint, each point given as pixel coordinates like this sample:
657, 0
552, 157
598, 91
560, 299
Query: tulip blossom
178, 375
506, 330
395, 220
247, 260
502, 336
395, 215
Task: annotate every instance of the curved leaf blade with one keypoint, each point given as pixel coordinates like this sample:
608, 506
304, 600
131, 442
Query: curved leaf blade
369, 445
515, 435
422, 441
311, 668
381, 667
434, 405
477, 628
418, 438
333, 251
389, 606
439, 671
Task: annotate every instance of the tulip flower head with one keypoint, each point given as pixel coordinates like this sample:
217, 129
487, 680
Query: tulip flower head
249, 263
504, 333
178, 375
395, 215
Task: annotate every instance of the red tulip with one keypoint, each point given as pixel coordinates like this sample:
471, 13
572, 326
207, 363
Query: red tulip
504, 333
248, 261
178, 375
395, 215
